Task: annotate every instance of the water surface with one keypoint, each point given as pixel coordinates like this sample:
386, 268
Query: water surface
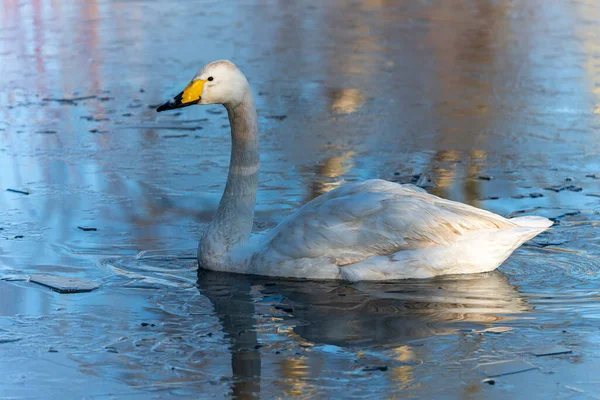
498, 102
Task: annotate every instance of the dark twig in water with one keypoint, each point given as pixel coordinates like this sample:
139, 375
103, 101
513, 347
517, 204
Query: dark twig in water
174, 128
86, 229
71, 100
382, 368
18, 191
277, 117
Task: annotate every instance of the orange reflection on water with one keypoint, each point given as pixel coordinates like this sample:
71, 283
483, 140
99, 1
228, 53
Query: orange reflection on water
346, 101
294, 371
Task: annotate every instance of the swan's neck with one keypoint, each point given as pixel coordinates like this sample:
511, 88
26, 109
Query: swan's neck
232, 223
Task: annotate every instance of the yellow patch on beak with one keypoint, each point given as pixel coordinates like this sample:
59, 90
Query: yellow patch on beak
193, 91
191, 95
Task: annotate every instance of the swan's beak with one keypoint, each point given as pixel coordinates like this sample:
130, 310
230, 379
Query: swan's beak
191, 95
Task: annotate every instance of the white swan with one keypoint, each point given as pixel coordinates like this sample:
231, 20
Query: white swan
372, 230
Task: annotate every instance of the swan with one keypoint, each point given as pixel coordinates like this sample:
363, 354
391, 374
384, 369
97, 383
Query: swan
372, 230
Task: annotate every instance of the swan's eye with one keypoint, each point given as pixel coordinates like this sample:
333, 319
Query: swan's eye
210, 78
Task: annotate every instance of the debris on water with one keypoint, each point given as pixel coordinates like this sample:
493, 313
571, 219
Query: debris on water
111, 349
557, 189
550, 351
87, 229
382, 368
565, 214
63, 285
144, 324
171, 128
496, 330
542, 244
501, 368
553, 214
25, 192
422, 180
284, 309
277, 117
485, 177
191, 121
8, 337
175, 136
489, 381
70, 100
15, 278
92, 118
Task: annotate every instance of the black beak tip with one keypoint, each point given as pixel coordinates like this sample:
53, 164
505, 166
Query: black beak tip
164, 107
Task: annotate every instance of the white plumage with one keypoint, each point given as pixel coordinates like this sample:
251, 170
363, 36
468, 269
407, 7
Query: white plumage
372, 230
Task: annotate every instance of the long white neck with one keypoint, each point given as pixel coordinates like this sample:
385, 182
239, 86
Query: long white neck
232, 223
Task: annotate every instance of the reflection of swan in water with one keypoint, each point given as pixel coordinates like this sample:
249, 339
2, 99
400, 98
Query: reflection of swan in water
356, 315
234, 307
372, 230
371, 312
379, 313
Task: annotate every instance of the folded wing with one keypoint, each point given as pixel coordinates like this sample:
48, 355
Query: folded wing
374, 217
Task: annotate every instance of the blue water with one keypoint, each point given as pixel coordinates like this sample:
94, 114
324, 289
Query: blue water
497, 101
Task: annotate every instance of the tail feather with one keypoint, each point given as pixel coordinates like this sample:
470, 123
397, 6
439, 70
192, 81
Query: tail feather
532, 221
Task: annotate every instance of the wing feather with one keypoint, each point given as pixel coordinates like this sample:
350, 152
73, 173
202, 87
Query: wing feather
374, 217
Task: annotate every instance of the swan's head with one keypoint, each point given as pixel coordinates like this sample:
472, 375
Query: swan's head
219, 82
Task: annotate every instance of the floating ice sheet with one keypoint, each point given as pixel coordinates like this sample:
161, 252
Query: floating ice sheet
63, 285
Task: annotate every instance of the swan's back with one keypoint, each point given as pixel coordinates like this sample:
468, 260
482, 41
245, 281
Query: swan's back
362, 219
359, 221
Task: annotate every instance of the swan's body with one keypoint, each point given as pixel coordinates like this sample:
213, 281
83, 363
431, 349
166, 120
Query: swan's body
372, 230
